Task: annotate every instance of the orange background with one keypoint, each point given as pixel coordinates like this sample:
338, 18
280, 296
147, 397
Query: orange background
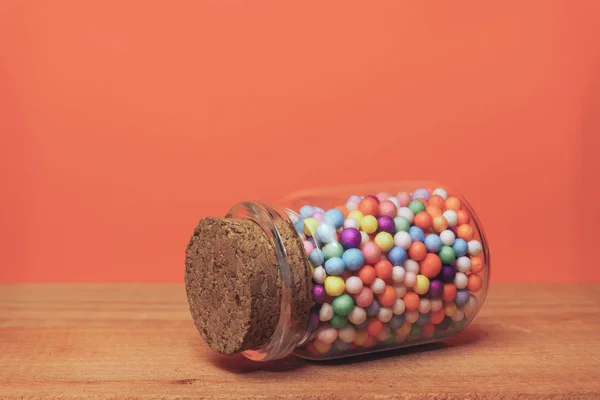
123, 122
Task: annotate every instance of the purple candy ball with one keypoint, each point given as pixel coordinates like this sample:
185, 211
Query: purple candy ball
318, 294
374, 197
462, 297
350, 238
313, 321
448, 273
373, 308
386, 224
421, 193
436, 287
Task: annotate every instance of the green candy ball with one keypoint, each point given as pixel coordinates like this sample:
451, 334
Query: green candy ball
401, 224
343, 304
338, 321
459, 324
447, 255
416, 206
415, 330
333, 249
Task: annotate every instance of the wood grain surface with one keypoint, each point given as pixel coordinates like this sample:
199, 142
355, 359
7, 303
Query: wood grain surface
138, 342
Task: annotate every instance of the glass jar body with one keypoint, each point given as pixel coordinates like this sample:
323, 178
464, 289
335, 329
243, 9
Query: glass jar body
393, 265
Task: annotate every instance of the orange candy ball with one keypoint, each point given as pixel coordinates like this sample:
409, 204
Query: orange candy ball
476, 265
383, 269
370, 342
437, 201
367, 274
453, 203
430, 266
474, 283
440, 223
423, 220
369, 206
411, 301
344, 211
463, 217
417, 251
436, 317
388, 297
449, 293
374, 326
434, 211
428, 329
465, 232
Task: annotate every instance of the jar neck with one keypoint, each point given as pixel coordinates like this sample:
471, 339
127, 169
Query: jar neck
278, 226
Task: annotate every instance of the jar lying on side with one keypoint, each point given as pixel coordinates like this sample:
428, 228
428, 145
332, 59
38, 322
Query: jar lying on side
336, 272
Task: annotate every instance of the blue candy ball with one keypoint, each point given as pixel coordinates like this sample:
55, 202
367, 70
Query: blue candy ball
307, 211
299, 226
373, 308
362, 325
316, 257
433, 243
334, 217
397, 321
460, 247
334, 266
423, 319
353, 259
397, 255
326, 233
416, 234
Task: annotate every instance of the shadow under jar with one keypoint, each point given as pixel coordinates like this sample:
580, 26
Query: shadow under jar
335, 272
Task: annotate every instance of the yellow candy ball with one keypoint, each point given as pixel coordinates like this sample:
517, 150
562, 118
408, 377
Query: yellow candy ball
357, 215
361, 337
369, 224
422, 285
310, 226
450, 308
334, 285
321, 347
385, 241
312, 266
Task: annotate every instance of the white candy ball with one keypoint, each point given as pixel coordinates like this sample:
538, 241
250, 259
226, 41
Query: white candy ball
327, 333
384, 334
326, 233
451, 217
447, 237
400, 290
440, 192
411, 266
406, 213
351, 223
461, 280
474, 247
353, 284
352, 205
436, 304
378, 286
460, 314
385, 314
398, 273
463, 264
411, 316
347, 333
357, 315
402, 239
471, 304
424, 306
364, 237
326, 312
399, 307
394, 200
319, 275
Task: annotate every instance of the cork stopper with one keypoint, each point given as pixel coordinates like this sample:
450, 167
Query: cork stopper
234, 285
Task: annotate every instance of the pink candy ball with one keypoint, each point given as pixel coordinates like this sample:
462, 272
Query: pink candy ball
410, 279
364, 297
371, 251
404, 198
308, 246
318, 216
387, 208
383, 196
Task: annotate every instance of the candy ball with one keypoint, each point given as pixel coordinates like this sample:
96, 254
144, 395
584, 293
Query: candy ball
338, 321
430, 266
316, 257
373, 308
322, 347
347, 334
397, 273
449, 292
388, 297
475, 247
423, 220
433, 211
334, 217
416, 206
333, 249
401, 224
350, 238
326, 312
471, 304
342, 304
351, 223
364, 297
378, 286
437, 201
410, 279
451, 218
369, 224
371, 252
418, 251
357, 315
334, 266
357, 215
308, 246
450, 308
465, 232
447, 238
476, 265
352, 205
438, 315
369, 206
407, 214
436, 304
384, 240
411, 301
394, 200
364, 238
318, 294
319, 275
397, 255
340, 346
386, 224
447, 255
463, 264
422, 285
326, 233
310, 226
367, 275
400, 290
439, 223
460, 247
374, 326
334, 285
460, 280
453, 203
424, 306
463, 217
474, 283
416, 234
361, 337
402, 239
436, 287
353, 259
433, 243
306, 211
385, 314
411, 266
318, 215
353, 285
462, 297
458, 316
440, 192
383, 269
398, 307
396, 321
387, 208
411, 316
421, 193
448, 273
423, 319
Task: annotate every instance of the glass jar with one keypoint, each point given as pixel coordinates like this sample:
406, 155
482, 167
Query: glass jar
361, 269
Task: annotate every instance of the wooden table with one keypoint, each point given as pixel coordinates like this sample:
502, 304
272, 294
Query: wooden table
138, 341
